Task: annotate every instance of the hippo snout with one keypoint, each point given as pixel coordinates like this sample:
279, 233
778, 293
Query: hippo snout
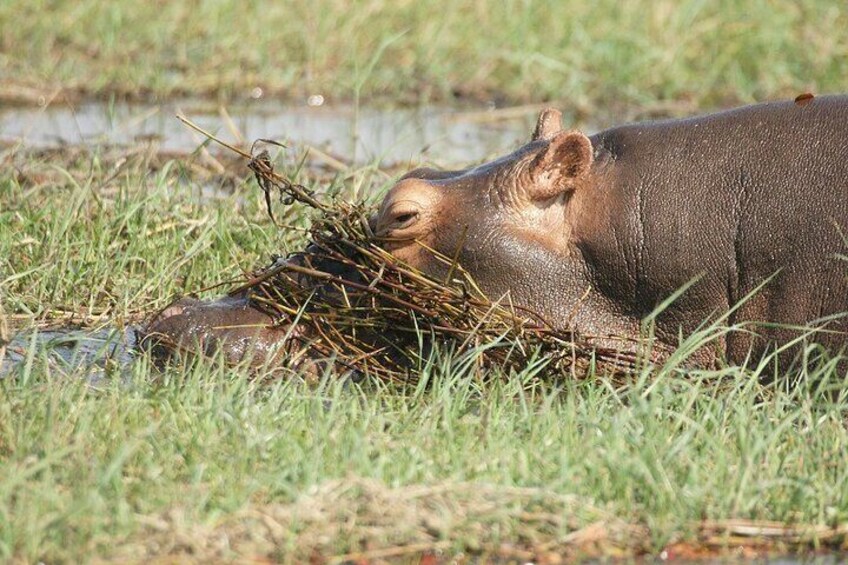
172, 310
230, 325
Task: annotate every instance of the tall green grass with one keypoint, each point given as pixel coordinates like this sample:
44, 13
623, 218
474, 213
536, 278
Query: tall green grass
595, 56
87, 470
101, 233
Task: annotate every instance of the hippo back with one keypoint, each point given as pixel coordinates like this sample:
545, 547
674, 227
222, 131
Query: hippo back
743, 198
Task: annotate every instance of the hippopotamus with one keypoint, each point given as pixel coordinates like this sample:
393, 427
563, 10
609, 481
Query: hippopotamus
231, 326
740, 217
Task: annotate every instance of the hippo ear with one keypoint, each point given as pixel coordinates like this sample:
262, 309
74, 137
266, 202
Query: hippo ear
560, 165
548, 125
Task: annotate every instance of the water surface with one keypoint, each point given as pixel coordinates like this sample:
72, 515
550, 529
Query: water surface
441, 135
97, 354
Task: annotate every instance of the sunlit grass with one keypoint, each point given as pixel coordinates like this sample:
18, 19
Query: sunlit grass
208, 462
84, 237
89, 469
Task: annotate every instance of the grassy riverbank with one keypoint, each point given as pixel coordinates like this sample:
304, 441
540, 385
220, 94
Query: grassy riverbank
599, 55
203, 463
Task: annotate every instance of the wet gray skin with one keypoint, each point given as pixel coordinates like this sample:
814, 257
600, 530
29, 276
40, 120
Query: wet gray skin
595, 233
229, 325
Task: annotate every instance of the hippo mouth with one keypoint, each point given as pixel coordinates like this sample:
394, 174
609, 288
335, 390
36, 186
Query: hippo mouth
258, 321
232, 326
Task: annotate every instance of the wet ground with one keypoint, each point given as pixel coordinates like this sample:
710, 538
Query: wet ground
444, 136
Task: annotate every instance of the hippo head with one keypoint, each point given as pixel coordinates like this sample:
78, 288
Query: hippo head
509, 222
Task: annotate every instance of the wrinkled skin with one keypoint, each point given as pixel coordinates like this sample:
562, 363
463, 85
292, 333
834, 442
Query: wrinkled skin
593, 233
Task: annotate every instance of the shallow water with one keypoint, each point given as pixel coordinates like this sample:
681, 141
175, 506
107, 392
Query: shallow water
95, 354
441, 135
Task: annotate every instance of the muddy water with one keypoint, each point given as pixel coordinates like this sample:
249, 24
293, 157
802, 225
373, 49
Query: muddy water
441, 135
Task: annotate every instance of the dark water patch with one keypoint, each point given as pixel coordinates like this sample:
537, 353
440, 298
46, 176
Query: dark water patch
444, 136
96, 354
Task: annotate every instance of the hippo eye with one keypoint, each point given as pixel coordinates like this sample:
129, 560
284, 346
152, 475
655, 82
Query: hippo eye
404, 220
400, 219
